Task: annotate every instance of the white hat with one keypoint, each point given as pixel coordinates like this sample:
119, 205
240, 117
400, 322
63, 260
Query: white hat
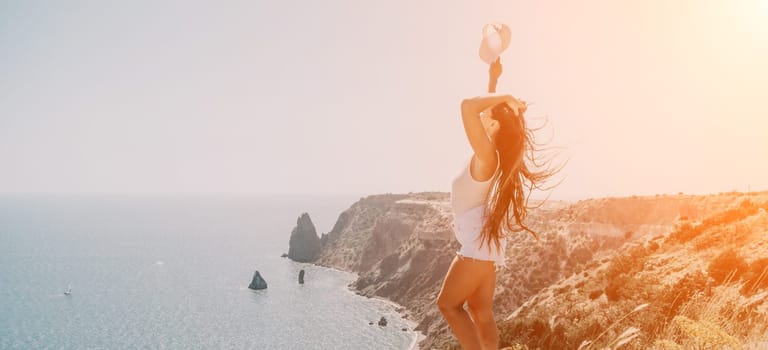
496, 38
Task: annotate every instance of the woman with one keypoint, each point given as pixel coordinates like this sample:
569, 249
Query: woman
487, 195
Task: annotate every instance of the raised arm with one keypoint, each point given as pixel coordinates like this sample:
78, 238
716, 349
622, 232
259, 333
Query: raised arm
483, 147
494, 72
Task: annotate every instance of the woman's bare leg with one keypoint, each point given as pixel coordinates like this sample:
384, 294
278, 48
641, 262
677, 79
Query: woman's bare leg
463, 278
481, 308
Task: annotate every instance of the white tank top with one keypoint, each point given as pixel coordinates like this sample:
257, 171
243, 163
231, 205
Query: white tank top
468, 206
468, 193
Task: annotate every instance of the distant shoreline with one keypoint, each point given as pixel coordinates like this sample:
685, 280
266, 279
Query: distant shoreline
418, 336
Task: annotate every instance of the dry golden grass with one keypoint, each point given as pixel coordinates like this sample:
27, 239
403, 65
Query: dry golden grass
725, 320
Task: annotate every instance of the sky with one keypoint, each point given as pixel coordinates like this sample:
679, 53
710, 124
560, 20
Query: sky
362, 97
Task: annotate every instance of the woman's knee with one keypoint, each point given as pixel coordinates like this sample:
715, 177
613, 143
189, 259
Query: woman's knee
481, 314
446, 305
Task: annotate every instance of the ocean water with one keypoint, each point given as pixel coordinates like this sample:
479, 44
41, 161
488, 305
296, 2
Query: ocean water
171, 272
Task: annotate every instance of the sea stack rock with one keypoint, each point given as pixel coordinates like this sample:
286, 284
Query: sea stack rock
304, 245
258, 282
301, 277
382, 321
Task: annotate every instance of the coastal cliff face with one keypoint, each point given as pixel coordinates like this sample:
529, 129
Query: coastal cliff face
402, 244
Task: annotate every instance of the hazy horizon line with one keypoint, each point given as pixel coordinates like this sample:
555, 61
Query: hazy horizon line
342, 194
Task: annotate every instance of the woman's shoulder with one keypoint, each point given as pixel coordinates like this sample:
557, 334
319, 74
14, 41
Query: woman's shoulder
482, 172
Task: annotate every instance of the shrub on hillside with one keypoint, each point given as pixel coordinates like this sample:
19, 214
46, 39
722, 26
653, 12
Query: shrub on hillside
734, 234
746, 208
614, 291
729, 265
631, 287
628, 262
595, 294
756, 277
653, 246
681, 292
685, 232
564, 289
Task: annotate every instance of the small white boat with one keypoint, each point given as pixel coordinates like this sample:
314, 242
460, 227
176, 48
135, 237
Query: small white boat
69, 290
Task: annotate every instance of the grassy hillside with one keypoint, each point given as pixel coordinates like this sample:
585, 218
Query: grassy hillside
700, 286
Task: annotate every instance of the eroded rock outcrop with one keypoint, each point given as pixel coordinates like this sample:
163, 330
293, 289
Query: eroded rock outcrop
304, 244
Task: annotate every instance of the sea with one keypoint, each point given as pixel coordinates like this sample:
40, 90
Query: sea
172, 272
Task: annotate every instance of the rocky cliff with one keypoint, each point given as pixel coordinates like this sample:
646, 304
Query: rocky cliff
402, 244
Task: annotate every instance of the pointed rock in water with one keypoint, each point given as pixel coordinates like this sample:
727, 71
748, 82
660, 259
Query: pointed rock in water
304, 245
370, 323
285, 255
382, 321
405, 329
301, 277
257, 282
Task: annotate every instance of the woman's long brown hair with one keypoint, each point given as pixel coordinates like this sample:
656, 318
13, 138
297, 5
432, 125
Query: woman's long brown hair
517, 152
